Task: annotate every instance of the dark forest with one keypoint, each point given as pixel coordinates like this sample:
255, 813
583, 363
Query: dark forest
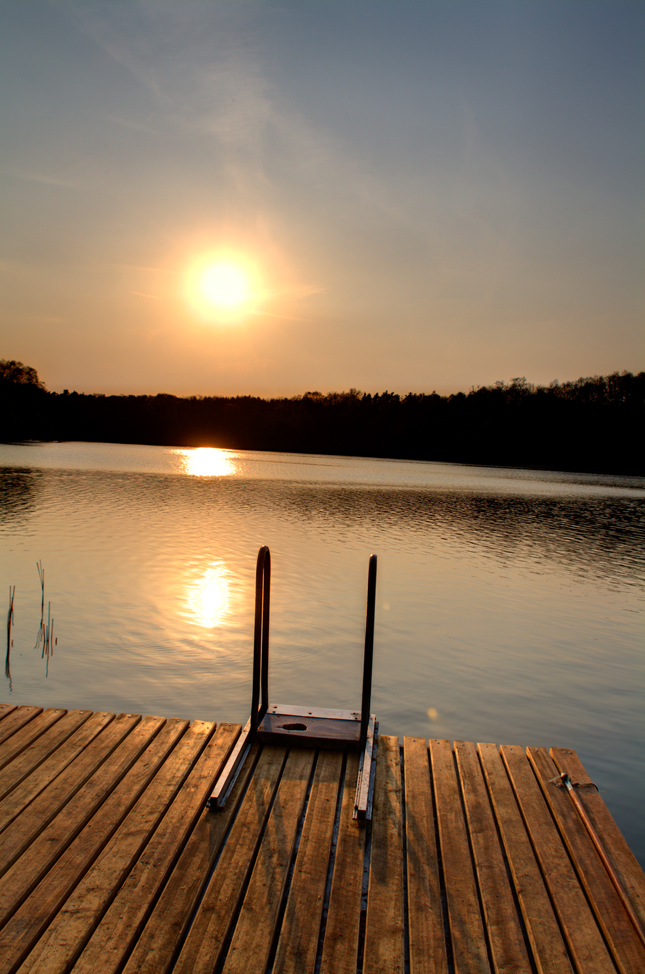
593, 424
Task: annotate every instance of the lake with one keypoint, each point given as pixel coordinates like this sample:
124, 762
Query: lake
509, 602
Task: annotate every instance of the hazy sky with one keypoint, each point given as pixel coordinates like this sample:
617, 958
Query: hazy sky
415, 195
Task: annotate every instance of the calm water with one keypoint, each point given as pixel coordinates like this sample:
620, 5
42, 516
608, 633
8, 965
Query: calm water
509, 602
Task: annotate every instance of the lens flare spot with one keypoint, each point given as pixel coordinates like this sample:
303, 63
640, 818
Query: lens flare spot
433, 714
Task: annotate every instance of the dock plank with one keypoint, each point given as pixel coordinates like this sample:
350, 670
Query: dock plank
14, 721
342, 931
384, 924
621, 856
583, 937
124, 920
298, 943
35, 783
32, 756
18, 741
549, 950
46, 847
627, 950
50, 802
508, 950
427, 941
203, 947
256, 923
6, 709
66, 938
159, 943
467, 932
23, 930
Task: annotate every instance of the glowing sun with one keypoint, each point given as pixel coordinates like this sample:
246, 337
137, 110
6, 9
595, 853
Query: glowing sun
224, 287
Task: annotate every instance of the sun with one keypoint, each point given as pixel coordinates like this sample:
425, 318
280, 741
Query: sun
223, 286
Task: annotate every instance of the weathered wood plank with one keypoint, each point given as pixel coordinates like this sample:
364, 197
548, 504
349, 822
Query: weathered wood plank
425, 912
42, 776
620, 855
14, 721
21, 933
204, 944
464, 916
74, 925
298, 943
12, 747
255, 928
627, 950
384, 929
581, 932
51, 842
340, 946
6, 709
115, 936
508, 949
549, 950
156, 948
37, 752
50, 802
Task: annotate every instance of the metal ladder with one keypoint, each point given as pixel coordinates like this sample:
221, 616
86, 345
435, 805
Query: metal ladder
304, 726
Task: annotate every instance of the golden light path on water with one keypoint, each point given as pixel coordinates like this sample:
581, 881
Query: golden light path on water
208, 598
206, 461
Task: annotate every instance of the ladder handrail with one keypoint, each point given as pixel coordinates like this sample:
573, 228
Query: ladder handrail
369, 648
261, 638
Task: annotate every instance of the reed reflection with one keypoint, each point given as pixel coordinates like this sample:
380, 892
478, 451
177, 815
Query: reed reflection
209, 596
206, 461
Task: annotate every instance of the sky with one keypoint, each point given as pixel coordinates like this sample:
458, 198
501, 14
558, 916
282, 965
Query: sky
258, 197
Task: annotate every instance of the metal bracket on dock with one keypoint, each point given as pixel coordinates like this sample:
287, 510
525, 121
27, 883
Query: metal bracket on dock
301, 726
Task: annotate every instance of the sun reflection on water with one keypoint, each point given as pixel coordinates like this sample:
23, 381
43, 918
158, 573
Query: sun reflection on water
209, 596
206, 461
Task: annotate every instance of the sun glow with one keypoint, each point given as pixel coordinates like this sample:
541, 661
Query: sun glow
224, 287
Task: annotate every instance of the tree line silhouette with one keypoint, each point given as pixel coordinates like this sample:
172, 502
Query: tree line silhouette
592, 424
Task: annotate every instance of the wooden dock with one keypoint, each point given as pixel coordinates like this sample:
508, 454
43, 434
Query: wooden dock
474, 860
